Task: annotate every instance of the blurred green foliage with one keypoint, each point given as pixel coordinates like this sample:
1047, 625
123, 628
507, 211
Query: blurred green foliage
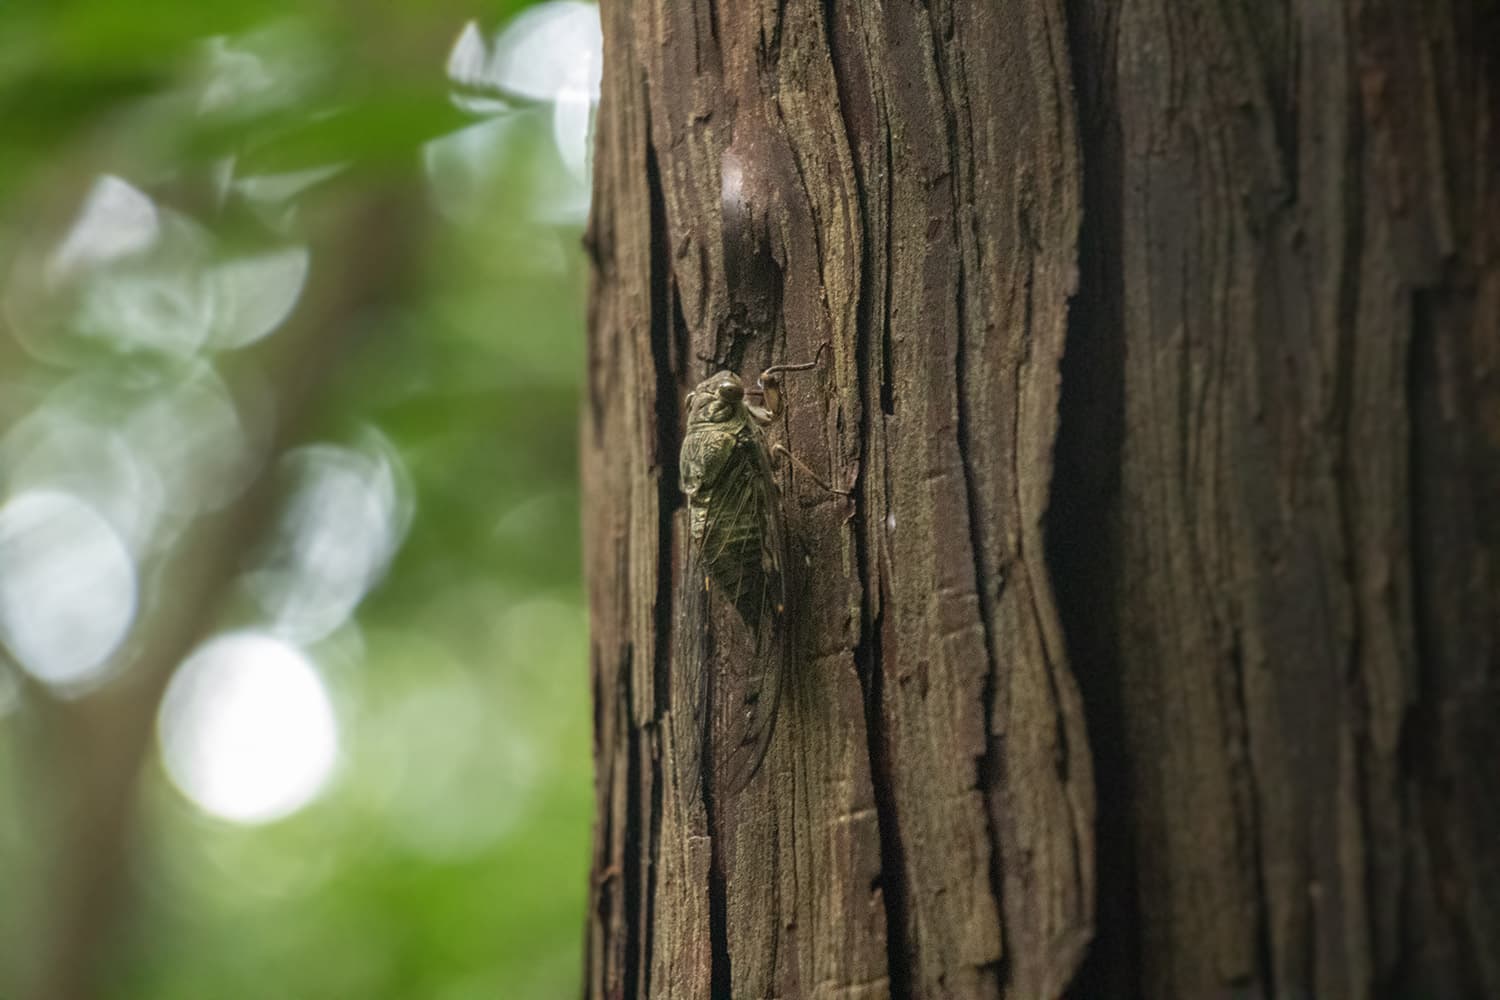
447, 857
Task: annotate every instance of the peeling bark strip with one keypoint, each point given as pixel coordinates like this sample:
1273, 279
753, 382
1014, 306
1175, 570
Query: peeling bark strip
1163, 341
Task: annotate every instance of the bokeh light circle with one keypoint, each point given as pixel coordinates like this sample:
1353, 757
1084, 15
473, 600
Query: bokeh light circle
67, 590
247, 729
550, 50
344, 518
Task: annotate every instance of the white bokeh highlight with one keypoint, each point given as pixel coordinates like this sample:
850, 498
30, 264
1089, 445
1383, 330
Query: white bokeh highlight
137, 278
116, 220
247, 730
468, 67
85, 455
255, 294
187, 424
461, 166
347, 513
157, 300
68, 591
550, 50
274, 67
550, 56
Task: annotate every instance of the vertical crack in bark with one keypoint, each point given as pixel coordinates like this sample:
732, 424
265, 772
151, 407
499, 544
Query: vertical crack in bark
1432, 456
1264, 951
887, 349
634, 863
665, 313
718, 919
596, 955
1080, 531
899, 957
653, 848
867, 659
1420, 758
1344, 418
713, 23
666, 316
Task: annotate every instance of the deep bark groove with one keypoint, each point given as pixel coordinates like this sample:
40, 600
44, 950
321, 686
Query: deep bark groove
638, 861
892, 856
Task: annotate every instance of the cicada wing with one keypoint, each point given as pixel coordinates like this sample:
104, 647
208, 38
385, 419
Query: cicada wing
690, 673
747, 691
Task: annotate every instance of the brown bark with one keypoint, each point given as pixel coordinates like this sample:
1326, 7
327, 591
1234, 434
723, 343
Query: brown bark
1163, 346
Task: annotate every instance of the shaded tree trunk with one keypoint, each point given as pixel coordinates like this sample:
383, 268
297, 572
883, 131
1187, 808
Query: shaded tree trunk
1154, 653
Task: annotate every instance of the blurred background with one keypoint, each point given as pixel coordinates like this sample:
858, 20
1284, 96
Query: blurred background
293, 659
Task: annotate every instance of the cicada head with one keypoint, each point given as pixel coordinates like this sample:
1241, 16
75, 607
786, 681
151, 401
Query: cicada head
716, 399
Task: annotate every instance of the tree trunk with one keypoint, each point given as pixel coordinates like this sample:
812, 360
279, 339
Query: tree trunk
1154, 652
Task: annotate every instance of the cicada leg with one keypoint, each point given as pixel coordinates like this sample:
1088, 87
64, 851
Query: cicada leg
780, 449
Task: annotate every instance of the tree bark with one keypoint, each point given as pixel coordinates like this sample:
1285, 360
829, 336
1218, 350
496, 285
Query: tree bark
1154, 652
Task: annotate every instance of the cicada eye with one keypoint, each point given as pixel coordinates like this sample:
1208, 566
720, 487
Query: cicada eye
731, 391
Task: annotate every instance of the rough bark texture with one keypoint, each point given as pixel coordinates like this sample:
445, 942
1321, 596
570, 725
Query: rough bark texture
1154, 653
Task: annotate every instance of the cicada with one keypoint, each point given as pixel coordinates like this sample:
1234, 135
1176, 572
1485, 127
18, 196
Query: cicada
734, 643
